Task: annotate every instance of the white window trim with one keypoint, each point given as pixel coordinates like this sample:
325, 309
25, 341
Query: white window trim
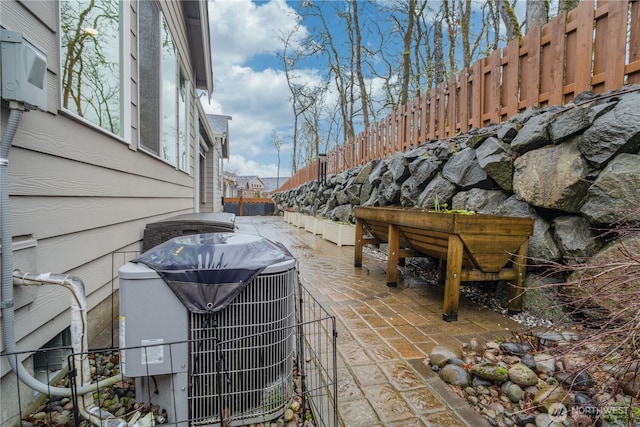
125, 70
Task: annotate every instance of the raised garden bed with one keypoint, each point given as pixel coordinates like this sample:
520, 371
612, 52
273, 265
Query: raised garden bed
475, 247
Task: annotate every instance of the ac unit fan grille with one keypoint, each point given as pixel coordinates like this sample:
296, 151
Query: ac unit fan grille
241, 358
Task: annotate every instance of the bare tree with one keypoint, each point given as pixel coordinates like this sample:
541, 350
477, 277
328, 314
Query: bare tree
438, 53
567, 5
340, 77
449, 13
300, 98
537, 13
364, 97
277, 144
406, 53
510, 19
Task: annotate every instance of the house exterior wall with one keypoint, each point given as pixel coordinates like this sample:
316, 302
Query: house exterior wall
79, 194
217, 179
207, 206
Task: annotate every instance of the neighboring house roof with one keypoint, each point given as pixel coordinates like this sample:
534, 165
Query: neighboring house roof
273, 183
197, 18
220, 126
245, 181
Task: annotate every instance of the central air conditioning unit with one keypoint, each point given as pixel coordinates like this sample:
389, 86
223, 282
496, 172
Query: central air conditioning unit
207, 328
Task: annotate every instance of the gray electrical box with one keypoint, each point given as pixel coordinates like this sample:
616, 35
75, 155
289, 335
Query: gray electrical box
24, 70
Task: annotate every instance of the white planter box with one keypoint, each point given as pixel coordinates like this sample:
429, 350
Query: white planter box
287, 216
314, 225
340, 234
294, 217
302, 220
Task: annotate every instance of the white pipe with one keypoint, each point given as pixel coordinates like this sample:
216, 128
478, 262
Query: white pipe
80, 346
78, 333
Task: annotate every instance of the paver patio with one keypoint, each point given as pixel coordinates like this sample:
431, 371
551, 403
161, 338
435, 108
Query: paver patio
384, 334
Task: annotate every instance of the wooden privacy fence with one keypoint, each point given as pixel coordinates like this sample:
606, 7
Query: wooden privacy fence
594, 47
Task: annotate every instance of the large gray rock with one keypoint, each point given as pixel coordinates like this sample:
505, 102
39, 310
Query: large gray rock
341, 197
439, 189
414, 154
422, 170
490, 371
570, 122
454, 375
464, 170
439, 150
410, 191
617, 131
344, 213
398, 167
441, 354
364, 172
541, 243
541, 299
552, 177
478, 200
376, 173
615, 194
389, 189
574, 237
341, 177
496, 158
365, 191
520, 374
508, 131
545, 364
353, 194
534, 134
373, 198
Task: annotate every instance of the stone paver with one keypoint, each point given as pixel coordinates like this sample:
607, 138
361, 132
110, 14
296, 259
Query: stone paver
384, 334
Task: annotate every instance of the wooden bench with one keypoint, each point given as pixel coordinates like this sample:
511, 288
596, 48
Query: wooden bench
475, 247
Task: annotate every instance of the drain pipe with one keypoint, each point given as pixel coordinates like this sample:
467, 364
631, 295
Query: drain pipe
78, 334
87, 409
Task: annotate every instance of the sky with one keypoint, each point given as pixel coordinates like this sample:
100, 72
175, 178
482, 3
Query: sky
249, 84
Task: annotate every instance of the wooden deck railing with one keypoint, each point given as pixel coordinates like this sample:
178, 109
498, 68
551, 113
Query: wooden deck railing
590, 48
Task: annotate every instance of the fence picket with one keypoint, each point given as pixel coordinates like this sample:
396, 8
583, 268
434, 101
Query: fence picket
590, 48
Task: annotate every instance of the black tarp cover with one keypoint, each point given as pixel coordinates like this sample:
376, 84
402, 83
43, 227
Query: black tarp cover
207, 271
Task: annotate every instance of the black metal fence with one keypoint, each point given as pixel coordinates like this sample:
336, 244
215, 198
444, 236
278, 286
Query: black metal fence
312, 393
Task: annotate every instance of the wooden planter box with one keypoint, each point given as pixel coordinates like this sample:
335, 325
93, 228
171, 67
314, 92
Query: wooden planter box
314, 225
475, 247
287, 217
339, 233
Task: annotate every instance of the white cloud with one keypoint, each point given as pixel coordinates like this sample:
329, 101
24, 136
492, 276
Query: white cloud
242, 166
247, 84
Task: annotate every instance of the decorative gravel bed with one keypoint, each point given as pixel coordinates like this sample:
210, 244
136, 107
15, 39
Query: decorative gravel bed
120, 401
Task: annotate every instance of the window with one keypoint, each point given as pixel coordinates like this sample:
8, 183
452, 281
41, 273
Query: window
164, 100
92, 72
183, 124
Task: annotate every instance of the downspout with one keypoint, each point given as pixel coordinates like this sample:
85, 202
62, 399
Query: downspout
78, 303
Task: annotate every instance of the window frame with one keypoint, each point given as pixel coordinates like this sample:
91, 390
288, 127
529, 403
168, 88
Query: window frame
124, 50
180, 75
